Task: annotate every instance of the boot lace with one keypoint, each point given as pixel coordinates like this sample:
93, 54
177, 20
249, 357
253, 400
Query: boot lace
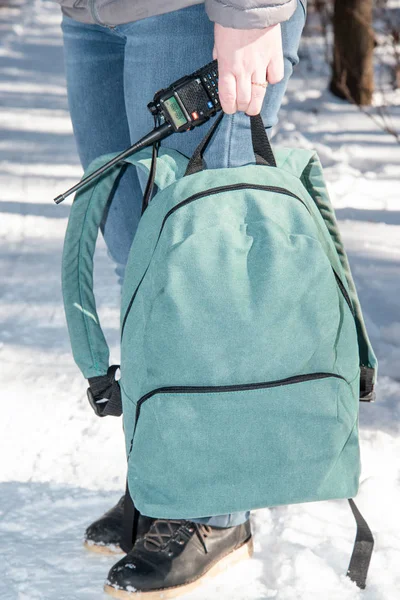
163, 532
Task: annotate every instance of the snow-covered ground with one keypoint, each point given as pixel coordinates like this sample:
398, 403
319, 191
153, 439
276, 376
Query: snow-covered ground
60, 466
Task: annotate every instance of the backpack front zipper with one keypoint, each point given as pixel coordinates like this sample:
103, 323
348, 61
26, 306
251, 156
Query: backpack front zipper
226, 388
217, 190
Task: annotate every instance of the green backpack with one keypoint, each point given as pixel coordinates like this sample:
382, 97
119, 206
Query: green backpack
244, 353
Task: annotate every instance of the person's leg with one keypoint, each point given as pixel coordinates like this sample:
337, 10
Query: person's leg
94, 66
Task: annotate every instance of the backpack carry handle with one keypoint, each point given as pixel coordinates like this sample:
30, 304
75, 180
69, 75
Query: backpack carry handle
261, 146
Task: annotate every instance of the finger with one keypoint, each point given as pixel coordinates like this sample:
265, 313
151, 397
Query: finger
257, 94
243, 91
227, 92
276, 69
214, 54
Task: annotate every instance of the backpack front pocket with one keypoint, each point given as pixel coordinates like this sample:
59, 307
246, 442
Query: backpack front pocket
199, 451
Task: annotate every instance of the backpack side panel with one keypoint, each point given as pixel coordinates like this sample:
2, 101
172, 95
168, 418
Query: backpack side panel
313, 179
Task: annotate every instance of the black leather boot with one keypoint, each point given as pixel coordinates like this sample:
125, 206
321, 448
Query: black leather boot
174, 557
104, 535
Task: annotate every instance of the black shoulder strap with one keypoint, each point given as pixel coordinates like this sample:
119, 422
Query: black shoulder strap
130, 522
362, 552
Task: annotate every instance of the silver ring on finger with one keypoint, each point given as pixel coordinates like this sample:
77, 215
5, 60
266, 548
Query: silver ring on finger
264, 85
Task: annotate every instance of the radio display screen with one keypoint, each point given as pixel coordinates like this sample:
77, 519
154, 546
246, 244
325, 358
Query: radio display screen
175, 111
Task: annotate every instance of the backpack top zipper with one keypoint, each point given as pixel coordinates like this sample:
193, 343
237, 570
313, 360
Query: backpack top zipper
212, 191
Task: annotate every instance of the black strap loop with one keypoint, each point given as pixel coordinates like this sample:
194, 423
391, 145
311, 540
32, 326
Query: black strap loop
362, 552
261, 146
104, 394
367, 388
148, 193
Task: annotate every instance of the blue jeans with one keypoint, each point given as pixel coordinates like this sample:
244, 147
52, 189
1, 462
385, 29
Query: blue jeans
112, 74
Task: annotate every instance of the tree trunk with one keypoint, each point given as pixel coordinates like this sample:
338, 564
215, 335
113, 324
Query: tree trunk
353, 68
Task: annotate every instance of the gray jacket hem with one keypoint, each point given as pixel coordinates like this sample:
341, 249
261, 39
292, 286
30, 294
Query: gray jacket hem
256, 17
118, 12
238, 14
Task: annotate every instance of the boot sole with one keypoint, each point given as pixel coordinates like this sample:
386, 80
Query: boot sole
243, 553
105, 550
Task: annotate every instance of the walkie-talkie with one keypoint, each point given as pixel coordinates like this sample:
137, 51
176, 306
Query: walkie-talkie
187, 103
190, 101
